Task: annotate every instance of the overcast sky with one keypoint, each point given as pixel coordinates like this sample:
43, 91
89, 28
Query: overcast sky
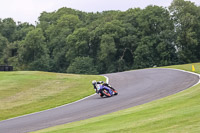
29, 10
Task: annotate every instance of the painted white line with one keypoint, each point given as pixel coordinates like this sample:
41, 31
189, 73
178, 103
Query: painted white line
186, 72
107, 80
49, 109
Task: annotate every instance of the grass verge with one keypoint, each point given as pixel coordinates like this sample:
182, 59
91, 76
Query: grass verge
24, 92
177, 113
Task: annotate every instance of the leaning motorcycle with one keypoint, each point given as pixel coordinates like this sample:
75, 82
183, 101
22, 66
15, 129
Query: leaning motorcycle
106, 91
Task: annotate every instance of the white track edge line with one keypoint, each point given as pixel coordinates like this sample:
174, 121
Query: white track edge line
107, 80
186, 72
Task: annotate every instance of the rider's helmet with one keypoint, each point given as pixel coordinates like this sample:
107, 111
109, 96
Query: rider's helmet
94, 82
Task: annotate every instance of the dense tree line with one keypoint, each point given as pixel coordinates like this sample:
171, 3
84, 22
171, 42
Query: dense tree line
73, 41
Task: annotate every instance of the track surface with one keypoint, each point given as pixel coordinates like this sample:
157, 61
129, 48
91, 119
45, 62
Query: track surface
134, 87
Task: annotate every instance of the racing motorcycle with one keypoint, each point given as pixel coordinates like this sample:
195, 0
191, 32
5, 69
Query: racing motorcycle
106, 91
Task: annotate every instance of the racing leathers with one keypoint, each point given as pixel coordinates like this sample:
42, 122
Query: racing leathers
101, 82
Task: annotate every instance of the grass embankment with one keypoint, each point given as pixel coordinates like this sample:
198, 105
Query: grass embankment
178, 113
24, 92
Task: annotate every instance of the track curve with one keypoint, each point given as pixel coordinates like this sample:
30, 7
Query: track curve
134, 87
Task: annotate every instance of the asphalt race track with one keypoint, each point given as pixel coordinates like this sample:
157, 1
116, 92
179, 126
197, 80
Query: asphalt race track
134, 87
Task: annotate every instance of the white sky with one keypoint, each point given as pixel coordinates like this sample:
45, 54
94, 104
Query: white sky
29, 10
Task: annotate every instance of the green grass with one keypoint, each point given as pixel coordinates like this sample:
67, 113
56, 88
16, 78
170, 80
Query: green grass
178, 113
24, 92
187, 67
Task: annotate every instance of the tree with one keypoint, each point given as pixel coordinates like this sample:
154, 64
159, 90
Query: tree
109, 41
186, 18
3, 45
82, 65
166, 49
7, 28
56, 35
107, 54
68, 21
144, 55
33, 51
78, 44
156, 32
22, 30
10, 55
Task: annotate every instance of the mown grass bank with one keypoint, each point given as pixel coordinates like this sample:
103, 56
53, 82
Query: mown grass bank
24, 92
178, 113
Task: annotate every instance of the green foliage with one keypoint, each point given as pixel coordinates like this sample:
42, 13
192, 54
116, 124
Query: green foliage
115, 40
7, 28
22, 30
106, 55
33, 51
144, 54
82, 65
186, 16
107, 48
3, 44
78, 44
156, 47
10, 55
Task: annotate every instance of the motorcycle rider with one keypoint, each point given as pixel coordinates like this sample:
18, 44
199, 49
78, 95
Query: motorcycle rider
94, 83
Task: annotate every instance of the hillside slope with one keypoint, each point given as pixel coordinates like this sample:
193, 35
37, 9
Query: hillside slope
24, 92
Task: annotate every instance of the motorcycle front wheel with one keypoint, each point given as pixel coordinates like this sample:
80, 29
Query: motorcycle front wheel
106, 93
115, 92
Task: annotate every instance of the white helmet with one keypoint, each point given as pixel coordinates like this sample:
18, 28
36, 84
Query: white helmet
94, 82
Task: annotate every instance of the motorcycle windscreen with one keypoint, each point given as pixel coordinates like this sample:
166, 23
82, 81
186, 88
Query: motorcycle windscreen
98, 87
